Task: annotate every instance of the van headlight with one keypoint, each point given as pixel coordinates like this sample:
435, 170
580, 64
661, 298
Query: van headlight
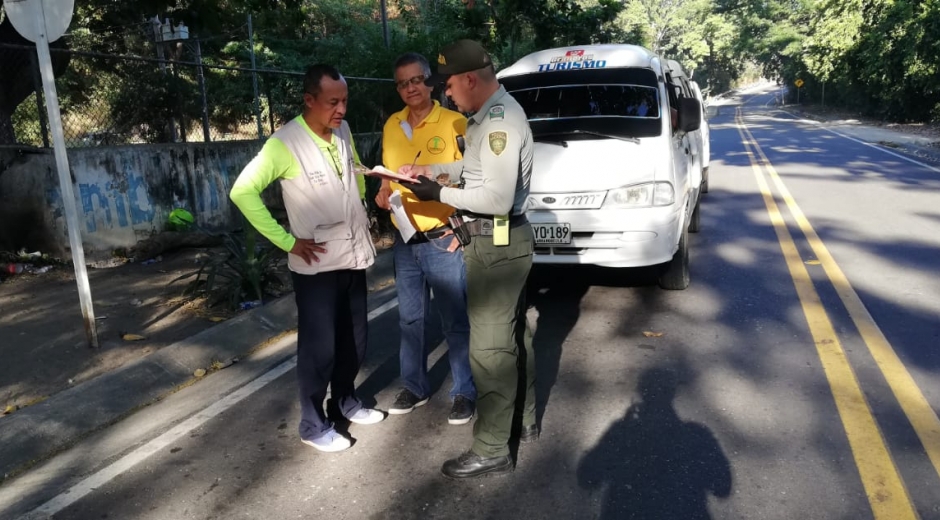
641, 195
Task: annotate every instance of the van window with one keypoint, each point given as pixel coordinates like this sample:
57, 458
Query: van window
623, 102
566, 101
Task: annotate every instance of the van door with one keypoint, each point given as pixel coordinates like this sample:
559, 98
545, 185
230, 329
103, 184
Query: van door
682, 147
696, 141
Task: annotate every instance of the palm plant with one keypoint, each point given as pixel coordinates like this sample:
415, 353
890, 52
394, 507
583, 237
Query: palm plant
242, 270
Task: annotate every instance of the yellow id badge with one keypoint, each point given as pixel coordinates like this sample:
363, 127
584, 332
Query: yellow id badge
501, 230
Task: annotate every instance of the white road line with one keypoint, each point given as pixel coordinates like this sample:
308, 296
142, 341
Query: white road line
382, 309
105, 475
876, 147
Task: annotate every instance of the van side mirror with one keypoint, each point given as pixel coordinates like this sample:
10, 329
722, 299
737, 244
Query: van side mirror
690, 114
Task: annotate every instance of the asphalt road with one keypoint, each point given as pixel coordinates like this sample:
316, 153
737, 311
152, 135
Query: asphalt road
795, 378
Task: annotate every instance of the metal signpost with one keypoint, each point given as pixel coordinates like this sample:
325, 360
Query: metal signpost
799, 84
44, 21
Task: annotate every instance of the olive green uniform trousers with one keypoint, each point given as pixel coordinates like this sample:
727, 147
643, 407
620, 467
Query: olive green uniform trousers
500, 337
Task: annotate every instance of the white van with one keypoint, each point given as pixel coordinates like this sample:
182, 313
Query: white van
706, 137
701, 150
613, 182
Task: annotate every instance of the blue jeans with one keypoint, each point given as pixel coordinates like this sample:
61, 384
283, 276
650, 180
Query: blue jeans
419, 269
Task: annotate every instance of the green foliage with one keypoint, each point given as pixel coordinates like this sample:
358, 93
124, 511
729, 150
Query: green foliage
149, 101
895, 63
697, 33
242, 270
26, 122
880, 56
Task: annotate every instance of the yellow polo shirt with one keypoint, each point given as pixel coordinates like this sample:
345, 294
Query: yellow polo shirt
436, 139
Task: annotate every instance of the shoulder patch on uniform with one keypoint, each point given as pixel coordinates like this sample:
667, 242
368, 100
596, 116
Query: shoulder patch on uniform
497, 112
498, 142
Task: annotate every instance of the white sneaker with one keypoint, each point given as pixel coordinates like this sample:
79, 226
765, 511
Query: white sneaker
367, 416
331, 442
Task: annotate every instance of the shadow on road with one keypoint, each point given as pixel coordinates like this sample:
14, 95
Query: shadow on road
652, 460
555, 306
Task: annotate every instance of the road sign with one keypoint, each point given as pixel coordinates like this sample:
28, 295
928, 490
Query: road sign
798, 83
24, 15
44, 21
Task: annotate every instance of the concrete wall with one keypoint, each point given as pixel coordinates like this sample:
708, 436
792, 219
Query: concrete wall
123, 194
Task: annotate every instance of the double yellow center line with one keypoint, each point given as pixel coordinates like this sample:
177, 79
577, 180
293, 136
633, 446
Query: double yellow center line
883, 484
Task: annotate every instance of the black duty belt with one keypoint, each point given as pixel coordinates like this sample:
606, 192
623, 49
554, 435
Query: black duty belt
421, 237
483, 225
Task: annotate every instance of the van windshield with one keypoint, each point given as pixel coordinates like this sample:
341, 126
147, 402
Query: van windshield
577, 101
620, 102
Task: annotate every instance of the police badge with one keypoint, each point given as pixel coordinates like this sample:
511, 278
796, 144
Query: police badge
497, 142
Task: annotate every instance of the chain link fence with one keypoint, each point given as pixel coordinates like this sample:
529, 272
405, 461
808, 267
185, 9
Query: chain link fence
116, 100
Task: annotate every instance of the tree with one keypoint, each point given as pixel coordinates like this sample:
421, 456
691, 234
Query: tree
519, 27
896, 62
17, 75
693, 32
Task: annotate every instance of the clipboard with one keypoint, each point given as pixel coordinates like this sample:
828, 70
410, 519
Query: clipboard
383, 173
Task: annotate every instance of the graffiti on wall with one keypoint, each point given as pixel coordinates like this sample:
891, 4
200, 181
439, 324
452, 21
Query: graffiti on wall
124, 194
126, 202
131, 206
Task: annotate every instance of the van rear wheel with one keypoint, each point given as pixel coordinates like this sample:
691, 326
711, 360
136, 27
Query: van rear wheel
675, 274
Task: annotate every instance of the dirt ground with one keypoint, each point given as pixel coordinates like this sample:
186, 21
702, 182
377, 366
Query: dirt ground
43, 346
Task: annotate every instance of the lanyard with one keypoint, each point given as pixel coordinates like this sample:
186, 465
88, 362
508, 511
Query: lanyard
333, 152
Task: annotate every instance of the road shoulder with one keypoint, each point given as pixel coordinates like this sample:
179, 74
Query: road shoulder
38, 432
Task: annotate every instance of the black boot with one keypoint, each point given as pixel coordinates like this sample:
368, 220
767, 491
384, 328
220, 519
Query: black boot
529, 434
471, 465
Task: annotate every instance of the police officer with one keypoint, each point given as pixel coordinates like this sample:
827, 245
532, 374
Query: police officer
495, 170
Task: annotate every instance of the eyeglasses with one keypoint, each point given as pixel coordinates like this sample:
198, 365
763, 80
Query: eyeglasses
402, 85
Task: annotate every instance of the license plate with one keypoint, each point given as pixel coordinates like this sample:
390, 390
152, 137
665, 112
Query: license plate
552, 233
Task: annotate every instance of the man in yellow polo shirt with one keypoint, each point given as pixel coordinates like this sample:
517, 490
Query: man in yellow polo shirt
426, 133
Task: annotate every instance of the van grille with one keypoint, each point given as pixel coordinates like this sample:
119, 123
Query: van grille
559, 251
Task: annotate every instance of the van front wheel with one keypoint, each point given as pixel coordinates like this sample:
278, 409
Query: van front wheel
675, 274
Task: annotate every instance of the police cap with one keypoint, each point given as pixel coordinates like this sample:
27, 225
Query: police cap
457, 58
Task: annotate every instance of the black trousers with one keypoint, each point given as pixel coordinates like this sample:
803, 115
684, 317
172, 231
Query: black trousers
331, 344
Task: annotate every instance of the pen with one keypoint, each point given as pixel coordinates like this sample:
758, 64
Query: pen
415, 161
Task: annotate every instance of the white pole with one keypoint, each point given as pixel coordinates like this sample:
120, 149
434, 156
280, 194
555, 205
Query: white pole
65, 181
254, 78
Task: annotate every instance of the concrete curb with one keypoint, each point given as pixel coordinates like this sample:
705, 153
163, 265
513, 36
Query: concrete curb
38, 432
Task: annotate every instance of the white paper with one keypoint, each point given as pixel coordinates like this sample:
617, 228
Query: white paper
401, 217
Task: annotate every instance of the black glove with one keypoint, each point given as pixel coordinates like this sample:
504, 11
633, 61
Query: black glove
426, 189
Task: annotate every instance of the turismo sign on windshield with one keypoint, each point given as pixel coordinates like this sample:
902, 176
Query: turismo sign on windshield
576, 59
